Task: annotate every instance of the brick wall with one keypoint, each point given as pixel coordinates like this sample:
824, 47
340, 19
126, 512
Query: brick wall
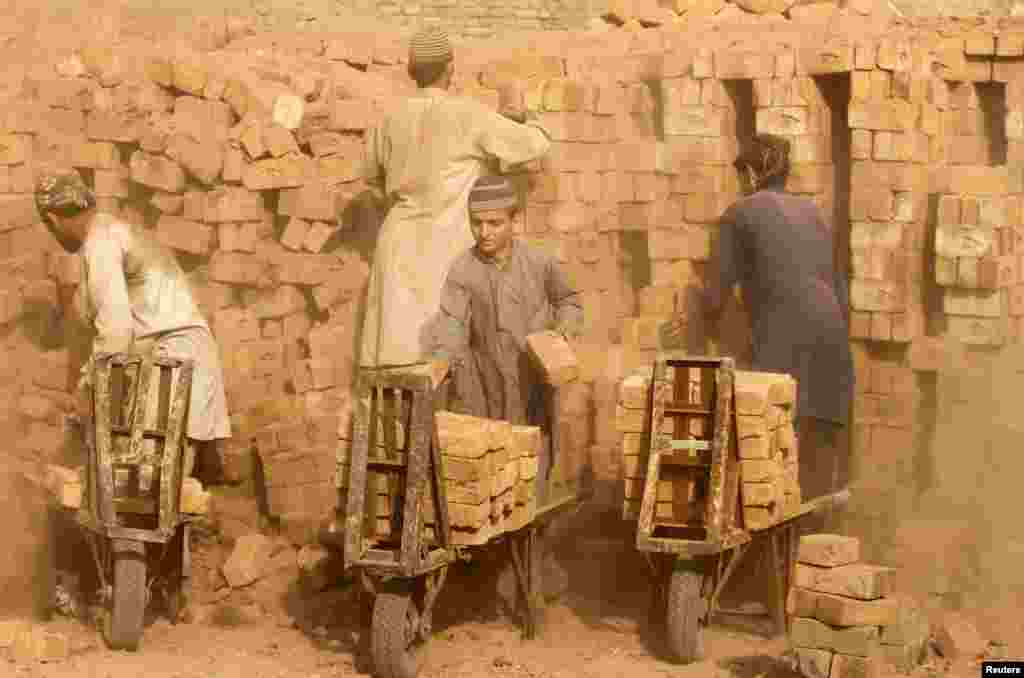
893, 136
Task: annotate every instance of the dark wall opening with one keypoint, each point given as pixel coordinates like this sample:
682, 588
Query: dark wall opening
835, 90
741, 92
992, 101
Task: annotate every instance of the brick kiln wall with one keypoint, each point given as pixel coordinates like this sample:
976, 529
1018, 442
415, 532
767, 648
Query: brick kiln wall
897, 136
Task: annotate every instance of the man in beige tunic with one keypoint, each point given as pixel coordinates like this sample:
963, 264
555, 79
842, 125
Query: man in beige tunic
422, 160
137, 298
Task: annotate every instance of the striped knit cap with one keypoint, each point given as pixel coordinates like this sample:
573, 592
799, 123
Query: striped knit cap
430, 46
492, 193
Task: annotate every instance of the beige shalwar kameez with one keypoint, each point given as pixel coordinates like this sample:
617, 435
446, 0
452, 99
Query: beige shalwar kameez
137, 298
425, 157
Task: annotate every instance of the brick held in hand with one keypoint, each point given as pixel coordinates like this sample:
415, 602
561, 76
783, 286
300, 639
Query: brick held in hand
554, 356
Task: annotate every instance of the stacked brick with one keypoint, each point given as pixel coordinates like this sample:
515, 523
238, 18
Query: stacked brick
766, 443
490, 476
769, 461
971, 267
632, 421
890, 137
886, 421
843, 618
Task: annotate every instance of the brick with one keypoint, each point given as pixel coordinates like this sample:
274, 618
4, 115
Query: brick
971, 303
313, 201
554, 356
202, 160
828, 550
185, 236
232, 203
730, 65
288, 171
279, 141
890, 115
863, 582
964, 241
822, 60
249, 560
907, 624
238, 269
189, 74
859, 641
295, 233
843, 611
701, 121
885, 297
157, 172
849, 666
755, 391
814, 663
38, 644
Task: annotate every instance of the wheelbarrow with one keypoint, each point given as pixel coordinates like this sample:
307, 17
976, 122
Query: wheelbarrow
402, 575
129, 511
692, 556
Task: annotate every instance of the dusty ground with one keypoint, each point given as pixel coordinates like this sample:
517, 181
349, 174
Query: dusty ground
598, 629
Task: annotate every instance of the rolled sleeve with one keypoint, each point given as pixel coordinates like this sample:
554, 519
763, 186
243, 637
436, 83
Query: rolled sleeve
510, 141
565, 300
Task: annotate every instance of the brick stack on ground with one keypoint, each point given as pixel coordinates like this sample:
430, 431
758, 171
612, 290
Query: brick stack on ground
844, 619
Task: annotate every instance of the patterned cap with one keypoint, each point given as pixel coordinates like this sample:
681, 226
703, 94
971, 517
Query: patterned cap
430, 46
492, 193
58, 189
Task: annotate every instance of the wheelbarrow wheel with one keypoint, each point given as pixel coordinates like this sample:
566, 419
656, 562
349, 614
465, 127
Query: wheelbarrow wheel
685, 613
123, 626
394, 636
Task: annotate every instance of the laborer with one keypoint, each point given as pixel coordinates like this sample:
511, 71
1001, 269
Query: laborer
779, 247
496, 294
136, 297
423, 159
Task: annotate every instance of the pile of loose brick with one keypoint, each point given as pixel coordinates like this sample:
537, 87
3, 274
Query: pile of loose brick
844, 619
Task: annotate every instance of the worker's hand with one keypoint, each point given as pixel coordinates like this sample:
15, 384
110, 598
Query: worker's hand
675, 333
514, 114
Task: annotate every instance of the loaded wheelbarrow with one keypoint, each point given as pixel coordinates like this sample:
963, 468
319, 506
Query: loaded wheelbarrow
128, 499
694, 542
402, 572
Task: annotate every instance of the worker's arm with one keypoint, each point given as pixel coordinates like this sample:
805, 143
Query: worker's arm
565, 300
452, 338
728, 262
499, 137
107, 289
375, 156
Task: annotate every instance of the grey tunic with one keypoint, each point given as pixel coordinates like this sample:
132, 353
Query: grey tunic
487, 313
780, 249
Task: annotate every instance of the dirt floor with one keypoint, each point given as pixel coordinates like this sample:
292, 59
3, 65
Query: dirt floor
597, 629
